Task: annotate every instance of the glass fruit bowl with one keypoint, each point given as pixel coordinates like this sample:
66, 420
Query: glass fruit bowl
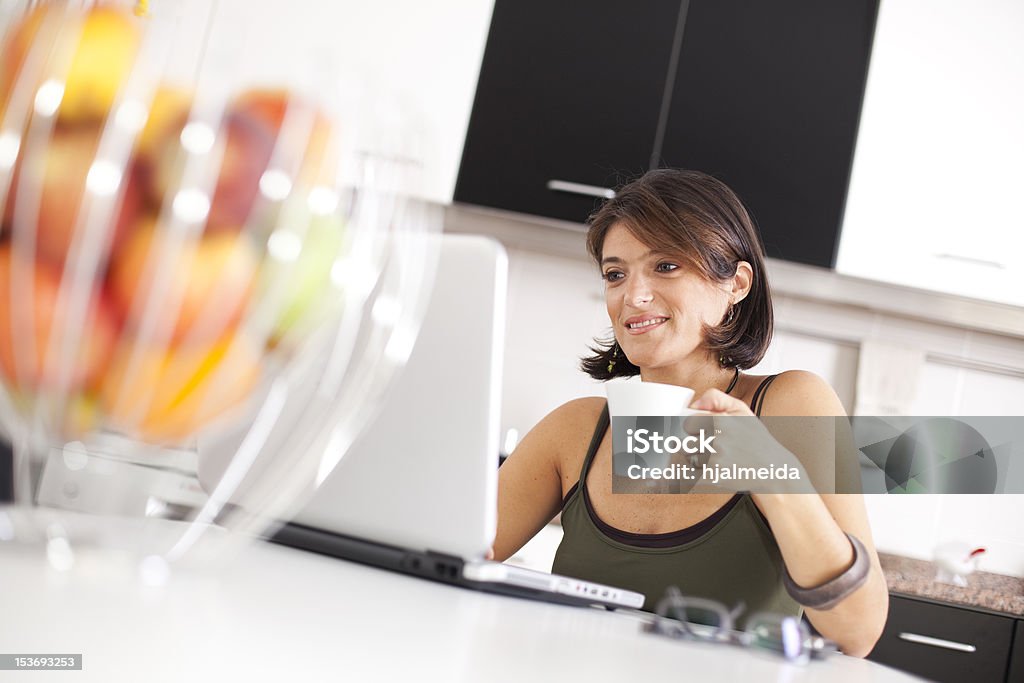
201, 242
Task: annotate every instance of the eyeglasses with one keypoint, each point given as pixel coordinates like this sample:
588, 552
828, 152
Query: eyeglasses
688, 618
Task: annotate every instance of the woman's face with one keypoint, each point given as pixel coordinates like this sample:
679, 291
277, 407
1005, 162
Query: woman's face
657, 303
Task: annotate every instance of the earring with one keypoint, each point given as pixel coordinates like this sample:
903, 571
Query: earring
615, 354
723, 360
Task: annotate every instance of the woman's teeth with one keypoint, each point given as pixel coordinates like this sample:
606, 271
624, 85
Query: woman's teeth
646, 323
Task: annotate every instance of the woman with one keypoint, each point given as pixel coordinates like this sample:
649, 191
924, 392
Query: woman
689, 304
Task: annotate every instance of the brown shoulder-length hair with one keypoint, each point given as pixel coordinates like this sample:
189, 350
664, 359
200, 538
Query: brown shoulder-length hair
698, 218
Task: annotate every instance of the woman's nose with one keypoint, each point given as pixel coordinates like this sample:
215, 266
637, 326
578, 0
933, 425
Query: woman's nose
639, 293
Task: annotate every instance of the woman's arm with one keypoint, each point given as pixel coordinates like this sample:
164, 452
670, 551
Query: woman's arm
530, 482
809, 528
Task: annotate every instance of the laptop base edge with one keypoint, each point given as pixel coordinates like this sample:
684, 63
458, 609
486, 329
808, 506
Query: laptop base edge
425, 565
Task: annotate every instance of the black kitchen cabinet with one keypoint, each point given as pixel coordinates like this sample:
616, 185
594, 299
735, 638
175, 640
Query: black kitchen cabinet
767, 98
6, 473
1015, 672
946, 643
570, 93
764, 95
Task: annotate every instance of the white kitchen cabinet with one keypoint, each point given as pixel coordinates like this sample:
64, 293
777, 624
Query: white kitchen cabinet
933, 197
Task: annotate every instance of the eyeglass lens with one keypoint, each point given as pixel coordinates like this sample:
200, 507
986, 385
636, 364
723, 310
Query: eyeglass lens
787, 635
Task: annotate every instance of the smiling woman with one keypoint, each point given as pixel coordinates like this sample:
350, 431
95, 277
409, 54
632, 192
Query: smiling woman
687, 238
689, 304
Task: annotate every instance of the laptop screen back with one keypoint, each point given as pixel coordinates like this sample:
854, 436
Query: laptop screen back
423, 474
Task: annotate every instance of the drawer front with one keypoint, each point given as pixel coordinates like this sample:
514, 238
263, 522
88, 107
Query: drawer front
1016, 670
945, 643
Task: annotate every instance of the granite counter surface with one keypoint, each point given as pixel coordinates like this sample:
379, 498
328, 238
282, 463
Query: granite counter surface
913, 577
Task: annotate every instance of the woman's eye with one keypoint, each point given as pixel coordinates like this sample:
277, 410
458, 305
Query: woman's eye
665, 267
613, 276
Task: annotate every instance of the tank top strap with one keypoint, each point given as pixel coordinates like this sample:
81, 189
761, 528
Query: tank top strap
595, 441
758, 400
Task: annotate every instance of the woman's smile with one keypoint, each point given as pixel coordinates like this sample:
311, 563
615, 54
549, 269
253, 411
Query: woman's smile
642, 324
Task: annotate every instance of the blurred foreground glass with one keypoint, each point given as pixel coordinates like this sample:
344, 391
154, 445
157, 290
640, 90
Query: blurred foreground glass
206, 231
705, 620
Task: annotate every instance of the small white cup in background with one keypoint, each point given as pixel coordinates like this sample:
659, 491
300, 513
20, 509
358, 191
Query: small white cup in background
649, 399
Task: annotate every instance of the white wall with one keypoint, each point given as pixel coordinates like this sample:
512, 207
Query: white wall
388, 65
556, 307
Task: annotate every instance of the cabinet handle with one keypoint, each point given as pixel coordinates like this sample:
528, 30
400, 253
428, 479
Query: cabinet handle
937, 642
580, 188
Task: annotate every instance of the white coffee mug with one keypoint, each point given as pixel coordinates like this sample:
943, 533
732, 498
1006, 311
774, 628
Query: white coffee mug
650, 399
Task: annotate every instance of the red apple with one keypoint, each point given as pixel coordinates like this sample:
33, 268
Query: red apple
211, 279
248, 145
271, 106
30, 326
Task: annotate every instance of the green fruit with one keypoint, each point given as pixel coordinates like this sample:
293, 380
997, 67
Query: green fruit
307, 296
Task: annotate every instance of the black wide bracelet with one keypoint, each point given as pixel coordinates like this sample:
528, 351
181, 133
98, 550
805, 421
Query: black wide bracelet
833, 591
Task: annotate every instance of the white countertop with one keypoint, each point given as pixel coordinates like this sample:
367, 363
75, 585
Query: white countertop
273, 613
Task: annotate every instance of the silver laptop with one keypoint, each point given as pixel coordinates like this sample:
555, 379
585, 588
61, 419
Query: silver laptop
417, 491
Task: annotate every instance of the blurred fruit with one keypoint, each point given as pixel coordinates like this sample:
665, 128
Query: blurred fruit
104, 52
59, 173
209, 282
169, 107
305, 283
158, 384
271, 105
248, 144
29, 326
167, 394
82, 416
16, 45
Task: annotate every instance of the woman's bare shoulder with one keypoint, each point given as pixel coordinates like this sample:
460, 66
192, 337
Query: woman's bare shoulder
569, 420
577, 420
562, 436
799, 392
588, 406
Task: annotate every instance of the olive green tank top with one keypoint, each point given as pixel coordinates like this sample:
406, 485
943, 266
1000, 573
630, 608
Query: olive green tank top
729, 557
